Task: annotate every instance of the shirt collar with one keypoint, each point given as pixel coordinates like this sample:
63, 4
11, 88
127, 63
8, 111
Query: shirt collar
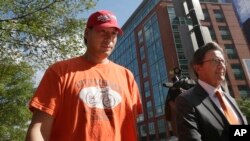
208, 88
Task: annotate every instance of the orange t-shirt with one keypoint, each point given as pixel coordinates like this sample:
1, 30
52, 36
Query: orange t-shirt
89, 102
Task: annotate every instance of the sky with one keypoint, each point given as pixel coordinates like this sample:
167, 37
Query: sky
243, 8
123, 9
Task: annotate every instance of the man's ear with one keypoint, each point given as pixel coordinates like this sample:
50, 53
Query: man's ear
196, 68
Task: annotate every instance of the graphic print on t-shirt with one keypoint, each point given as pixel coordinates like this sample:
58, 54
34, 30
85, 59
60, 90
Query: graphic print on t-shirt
100, 97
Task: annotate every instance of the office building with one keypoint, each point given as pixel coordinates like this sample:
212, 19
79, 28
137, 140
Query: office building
246, 30
151, 48
242, 9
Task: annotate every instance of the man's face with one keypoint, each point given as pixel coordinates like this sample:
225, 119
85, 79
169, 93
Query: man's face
101, 42
213, 69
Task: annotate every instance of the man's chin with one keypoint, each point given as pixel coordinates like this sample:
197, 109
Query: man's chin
105, 55
222, 78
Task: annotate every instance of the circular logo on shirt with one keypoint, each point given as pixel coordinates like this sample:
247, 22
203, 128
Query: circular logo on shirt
100, 97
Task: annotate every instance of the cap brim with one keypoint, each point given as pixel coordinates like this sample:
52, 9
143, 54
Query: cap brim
99, 27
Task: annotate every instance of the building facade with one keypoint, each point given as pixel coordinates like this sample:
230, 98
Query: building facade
151, 48
246, 30
242, 9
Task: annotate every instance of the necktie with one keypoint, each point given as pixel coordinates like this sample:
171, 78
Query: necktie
228, 111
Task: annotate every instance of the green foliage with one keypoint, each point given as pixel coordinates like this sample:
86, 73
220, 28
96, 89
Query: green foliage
16, 88
244, 105
42, 31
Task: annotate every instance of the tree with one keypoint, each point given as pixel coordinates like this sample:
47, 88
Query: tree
16, 88
244, 104
42, 31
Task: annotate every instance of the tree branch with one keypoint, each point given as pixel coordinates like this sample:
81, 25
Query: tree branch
28, 14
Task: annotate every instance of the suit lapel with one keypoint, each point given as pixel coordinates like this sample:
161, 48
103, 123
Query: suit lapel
209, 105
236, 108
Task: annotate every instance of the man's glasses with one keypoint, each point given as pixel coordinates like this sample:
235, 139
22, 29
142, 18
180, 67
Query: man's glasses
216, 61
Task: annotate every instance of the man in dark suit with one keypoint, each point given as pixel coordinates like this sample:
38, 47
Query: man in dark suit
200, 113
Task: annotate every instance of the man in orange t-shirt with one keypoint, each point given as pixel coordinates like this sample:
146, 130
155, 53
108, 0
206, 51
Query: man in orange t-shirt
87, 98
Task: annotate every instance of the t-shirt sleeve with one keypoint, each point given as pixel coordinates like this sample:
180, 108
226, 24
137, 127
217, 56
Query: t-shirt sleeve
47, 96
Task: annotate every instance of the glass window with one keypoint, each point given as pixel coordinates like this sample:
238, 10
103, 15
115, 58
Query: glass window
150, 109
162, 69
148, 36
133, 50
210, 0
142, 53
176, 36
182, 20
176, 21
156, 32
144, 70
158, 50
156, 94
225, 34
171, 10
206, 15
151, 128
147, 25
147, 93
175, 28
184, 67
158, 110
178, 46
244, 91
231, 51
212, 33
154, 73
238, 72
161, 126
151, 54
140, 37
219, 16
177, 40
135, 66
143, 130
154, 18
146, 89
140, 118
181, 55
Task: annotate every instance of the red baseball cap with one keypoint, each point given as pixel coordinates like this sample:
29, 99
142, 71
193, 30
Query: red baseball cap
103, 19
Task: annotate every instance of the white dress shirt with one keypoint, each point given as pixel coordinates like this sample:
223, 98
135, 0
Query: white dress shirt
211, 92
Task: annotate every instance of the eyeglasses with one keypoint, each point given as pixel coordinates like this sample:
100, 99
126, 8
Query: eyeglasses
216, 61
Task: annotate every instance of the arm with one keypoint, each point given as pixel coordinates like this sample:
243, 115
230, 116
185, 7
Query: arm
40, 127
187, 126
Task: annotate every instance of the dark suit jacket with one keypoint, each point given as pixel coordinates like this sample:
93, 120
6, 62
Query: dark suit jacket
198, 118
